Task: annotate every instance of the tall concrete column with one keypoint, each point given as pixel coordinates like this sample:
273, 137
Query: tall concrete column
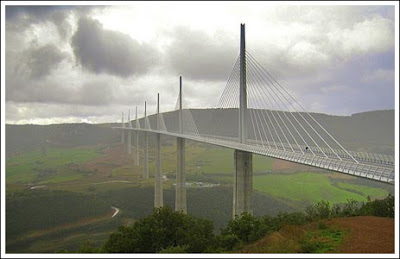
243, 183
137, 140
158, 189
122, 131
180, 199
243, 180
129, 140
180, 195
146, 148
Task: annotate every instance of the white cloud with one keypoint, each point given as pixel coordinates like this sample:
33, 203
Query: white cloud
374, 35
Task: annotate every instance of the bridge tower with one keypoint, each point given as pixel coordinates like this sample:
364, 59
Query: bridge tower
243, 180
122, 131
137, 139
180, 195
129, 139
146, 147
158, 189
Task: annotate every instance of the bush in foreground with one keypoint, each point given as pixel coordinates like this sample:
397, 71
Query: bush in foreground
164, 230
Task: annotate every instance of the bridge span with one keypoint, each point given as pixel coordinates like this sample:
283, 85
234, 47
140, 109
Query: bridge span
284, 130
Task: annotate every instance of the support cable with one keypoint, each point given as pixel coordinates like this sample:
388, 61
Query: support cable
260, 94
310, 116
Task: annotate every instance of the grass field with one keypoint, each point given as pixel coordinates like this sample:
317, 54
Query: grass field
27, 167
312, 187
364, 190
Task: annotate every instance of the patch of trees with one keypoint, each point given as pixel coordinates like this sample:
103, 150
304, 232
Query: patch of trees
40, 209
379, 208
163, 230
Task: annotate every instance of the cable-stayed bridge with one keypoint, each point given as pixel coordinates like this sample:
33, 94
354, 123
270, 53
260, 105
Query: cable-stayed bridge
255, 114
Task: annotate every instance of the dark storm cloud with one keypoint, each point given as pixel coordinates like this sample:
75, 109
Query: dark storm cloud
36, 12
25, 69
198, 56
105, 51
43, 60
21, 18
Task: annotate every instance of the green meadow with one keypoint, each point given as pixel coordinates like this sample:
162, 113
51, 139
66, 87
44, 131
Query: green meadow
313, 187
30, 166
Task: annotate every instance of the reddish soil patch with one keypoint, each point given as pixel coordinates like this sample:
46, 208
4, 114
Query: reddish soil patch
114, 156
279, 164
367, 234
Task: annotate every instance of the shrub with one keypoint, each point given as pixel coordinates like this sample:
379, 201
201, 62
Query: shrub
227, 242
380, 208
321, 210
351, 208
245, 227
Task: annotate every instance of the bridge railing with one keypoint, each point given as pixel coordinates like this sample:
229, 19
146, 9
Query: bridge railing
380, 173
382, 159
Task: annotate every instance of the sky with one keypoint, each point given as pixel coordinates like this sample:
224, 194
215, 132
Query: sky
89, 63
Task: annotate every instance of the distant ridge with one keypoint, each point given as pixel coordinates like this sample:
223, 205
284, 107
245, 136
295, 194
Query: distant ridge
371, 131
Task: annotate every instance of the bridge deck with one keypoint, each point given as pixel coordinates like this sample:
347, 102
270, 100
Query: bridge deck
384, 172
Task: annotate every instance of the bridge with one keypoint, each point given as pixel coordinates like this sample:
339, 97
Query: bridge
255, 115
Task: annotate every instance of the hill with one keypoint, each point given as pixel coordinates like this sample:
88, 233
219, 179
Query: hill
368, 131
371, 131
25, 138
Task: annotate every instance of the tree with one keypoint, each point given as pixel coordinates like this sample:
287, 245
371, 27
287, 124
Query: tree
163, 230
245, 227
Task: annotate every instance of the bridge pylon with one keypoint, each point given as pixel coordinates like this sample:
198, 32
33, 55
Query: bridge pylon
158, 188
122, 130
129, 133
146, 148
243, 180
180, 195
137, 140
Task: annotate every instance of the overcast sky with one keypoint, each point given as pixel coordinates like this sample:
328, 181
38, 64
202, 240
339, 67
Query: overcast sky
90, 63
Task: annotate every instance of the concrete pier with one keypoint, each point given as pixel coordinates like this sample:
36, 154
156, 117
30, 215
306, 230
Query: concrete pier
128, 142
180, 197
145, 156
122, 131
146, 148
158, 189
243, 183
129, 133
137, 139
136, 147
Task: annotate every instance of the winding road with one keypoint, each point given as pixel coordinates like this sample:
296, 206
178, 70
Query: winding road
116, 211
